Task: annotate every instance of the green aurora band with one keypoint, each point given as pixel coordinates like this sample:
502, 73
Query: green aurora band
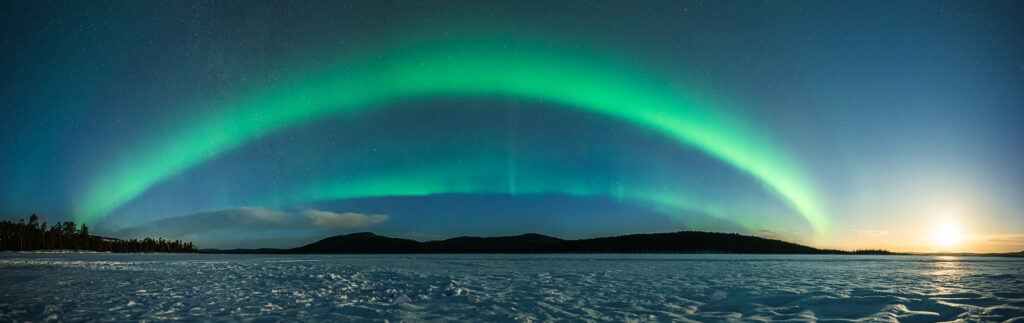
474, 69
445, 178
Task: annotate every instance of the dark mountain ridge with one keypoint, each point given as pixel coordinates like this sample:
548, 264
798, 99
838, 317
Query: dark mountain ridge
363, 242
529, 242
674, 242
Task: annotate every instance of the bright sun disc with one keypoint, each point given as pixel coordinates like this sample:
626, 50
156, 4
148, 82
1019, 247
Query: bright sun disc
946, 235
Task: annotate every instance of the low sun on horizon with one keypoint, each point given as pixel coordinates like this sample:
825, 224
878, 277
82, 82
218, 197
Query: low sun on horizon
946, 236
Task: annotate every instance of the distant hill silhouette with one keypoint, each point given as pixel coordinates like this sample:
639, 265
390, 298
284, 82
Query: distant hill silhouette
684, 242
364, 242
675, 242
530, 242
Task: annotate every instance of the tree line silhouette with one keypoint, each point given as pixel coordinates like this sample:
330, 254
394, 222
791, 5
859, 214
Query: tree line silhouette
33, 235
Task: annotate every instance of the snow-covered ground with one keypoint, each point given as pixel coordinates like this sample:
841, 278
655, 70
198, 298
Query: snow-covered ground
509, 287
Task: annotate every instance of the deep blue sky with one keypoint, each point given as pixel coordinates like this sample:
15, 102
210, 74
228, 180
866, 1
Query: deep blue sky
905, 116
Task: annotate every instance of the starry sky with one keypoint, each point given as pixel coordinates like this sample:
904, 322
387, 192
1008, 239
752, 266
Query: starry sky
850, 125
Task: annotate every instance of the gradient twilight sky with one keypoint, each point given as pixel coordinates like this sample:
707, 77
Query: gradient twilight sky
869, 124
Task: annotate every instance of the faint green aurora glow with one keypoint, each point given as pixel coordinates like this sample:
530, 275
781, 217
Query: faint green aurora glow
433, 179
478, 69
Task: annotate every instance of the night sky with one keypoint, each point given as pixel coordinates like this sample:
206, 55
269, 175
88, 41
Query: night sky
866, 124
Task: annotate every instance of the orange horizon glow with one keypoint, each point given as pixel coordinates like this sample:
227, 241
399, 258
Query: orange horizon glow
946, 235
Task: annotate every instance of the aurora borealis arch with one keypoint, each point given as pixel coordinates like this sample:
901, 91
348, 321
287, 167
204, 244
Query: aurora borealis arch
476, 69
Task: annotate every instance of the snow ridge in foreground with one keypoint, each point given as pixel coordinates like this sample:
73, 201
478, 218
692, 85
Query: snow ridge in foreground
509, 287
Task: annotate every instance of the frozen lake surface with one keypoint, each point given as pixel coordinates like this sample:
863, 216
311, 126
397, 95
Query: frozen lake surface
604, 287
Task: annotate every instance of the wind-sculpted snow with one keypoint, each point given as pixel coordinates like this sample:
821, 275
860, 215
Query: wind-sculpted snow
509, 287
